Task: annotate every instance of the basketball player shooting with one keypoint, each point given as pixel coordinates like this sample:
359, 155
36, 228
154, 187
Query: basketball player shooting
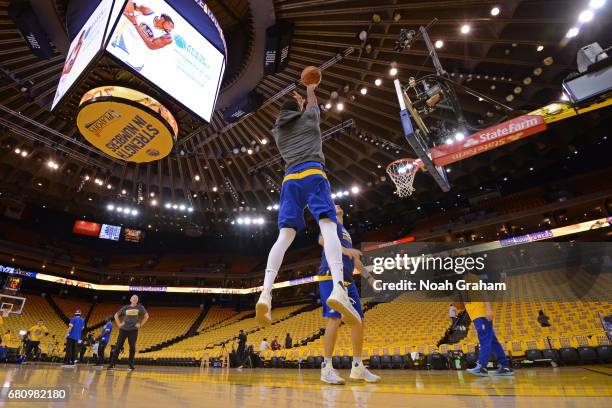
155, 31
298, 137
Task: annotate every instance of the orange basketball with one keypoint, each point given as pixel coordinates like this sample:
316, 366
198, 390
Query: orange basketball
311, 76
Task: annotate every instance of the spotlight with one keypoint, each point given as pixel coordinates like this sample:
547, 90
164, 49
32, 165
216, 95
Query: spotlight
190, 209
333, 195
24, 153
123, 192
355, 190
126, 210
595, 4
154, 202
174, 206
250, 151
269, 208
439, 44
108, 186
215, 189
240, 221
459, 136
495, 11
119, 209
17, 150
465, 29
264, 141
134, 212
393, 71
328, 105
182, 207
449, 141
572, 32
247, 220
345, 193
197, 177
540, 48
586, 16
110, 207
168, 205
364, 90
340, 106
377, 82
52, 165
151, 194
275, 206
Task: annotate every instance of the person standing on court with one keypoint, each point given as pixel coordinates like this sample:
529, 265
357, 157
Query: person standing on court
104, 339
73, 338
134, 318
298, 137
351, 257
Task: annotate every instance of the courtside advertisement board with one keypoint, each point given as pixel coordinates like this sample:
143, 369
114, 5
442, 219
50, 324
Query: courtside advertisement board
157, 43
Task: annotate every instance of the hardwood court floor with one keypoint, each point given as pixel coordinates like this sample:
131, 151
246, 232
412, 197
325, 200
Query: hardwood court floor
166, 387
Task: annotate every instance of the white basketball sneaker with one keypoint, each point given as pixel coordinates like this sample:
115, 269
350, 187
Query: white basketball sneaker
343, 304
263, 309
360, 372
330, 376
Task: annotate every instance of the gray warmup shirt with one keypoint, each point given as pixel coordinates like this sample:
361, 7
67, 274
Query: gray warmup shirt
131, 315
298, 136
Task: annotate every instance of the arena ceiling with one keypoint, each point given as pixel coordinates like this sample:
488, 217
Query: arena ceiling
518, 57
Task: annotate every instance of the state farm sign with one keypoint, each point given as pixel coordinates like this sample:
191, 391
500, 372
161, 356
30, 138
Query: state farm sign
488, 139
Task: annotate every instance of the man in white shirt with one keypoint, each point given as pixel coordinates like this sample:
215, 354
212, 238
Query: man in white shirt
264, 345
452, 313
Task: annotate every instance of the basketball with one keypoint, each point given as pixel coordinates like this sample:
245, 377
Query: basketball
311, 76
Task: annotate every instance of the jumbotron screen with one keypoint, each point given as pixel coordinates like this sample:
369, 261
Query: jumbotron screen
156, 42
83, 48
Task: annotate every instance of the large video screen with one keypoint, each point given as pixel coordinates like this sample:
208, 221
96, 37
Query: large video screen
91, 229
132, 235
159, 44
83, 48
112, 232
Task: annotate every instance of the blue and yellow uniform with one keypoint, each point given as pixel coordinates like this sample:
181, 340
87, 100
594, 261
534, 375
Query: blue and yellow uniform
326, 285
305, 185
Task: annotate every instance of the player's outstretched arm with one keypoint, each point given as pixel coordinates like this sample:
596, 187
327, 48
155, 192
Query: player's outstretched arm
311, 97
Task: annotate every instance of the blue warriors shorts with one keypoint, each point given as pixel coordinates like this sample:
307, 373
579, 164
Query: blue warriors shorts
325, 289
305, 185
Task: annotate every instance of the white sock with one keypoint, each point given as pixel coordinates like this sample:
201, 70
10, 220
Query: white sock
332, 248
357, 361
328, 362
277, 253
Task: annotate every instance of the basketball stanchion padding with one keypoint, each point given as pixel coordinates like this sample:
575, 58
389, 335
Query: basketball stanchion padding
402, 172
311, 75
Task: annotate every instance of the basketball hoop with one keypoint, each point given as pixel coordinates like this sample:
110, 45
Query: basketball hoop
402, 173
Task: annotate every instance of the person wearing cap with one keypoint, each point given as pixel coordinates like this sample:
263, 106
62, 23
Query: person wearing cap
37, 332
73, 337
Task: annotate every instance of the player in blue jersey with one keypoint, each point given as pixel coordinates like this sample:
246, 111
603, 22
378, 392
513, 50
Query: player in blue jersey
103, 340
73, 338
350, 257
298, 137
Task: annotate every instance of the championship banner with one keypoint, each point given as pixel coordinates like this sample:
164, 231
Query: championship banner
278, 45
238, 110
488, 139
30, 28
127, 124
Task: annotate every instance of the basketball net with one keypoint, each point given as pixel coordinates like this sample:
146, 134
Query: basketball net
402, 173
